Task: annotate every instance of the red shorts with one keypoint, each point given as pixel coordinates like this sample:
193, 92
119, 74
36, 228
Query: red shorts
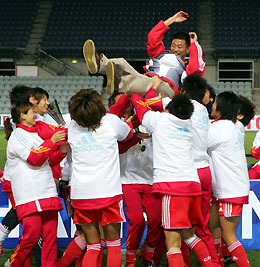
111, 214
181, 212
228, 209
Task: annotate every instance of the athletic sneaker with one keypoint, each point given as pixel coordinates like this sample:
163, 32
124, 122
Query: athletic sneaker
111, 78
91, 57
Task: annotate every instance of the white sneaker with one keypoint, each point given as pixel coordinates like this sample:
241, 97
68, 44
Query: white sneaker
7, 263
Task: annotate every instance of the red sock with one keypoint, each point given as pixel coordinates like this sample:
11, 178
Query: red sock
148, 253
130, 257
238, 254
101, 253
200, 250
218, 247
224, 248
175, 259
185, 253
91, 256
73, 251
114, 256
80, 259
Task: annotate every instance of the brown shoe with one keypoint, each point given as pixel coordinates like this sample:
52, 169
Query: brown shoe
91, 57
112, 79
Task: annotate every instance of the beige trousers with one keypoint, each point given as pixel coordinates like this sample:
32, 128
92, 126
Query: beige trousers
132, 81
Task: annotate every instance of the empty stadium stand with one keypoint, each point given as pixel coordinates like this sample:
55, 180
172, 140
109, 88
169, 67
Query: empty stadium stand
119, 28
15, 21
236, 28
60, 88
239, 88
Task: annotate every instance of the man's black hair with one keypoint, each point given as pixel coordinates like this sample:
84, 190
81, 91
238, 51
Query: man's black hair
195, 87
228, 106
112, 98
181, 107
247, 109
20, 93
182, 36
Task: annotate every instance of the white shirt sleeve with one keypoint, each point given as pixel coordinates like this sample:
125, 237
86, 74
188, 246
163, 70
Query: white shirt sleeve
121, 128
151, 119
165, 102
213, 141
256, 142
19, 146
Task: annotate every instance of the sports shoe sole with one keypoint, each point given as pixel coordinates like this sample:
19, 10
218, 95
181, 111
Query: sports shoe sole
110, 72
89, 52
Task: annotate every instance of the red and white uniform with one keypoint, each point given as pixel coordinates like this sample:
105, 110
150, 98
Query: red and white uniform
168, 66
95, 163
29, 156
230, 181
254, 173
37, 205
174, 169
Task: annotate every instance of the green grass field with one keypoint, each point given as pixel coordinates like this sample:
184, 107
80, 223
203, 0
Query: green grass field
253, 255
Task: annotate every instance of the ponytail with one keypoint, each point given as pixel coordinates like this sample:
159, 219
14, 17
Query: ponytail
8, 128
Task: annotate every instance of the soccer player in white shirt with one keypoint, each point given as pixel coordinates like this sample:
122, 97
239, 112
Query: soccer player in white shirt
230, 183
96, 190
34, 190
175, 176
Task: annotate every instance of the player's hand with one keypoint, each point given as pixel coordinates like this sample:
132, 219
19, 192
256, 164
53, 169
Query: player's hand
61, 126
65, 148
2, 179
58, 136
129, 119
156, 81
142, 136
193, 37
180, 17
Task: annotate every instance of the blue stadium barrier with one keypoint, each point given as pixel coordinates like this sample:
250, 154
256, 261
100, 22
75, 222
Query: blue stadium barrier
248, 231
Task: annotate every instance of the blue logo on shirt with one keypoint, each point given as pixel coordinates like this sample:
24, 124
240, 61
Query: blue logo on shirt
202, 124
181, 134
87, 144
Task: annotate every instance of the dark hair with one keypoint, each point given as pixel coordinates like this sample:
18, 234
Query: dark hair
182, 36
16, 110
247, 109
212, 92
8, 128
228, 105
87, 109
39, 93
112, 98
195, 87
20, 93
181, 107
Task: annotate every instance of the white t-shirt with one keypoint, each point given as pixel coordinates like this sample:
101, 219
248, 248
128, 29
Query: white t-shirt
136, 166
29, 182
172, 148
95, 159
200, 127
229, 166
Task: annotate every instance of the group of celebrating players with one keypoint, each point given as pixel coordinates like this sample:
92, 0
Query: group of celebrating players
155, 150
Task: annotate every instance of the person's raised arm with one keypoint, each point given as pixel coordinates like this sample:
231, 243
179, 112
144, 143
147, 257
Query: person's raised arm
196, 63
176, 18
155, 37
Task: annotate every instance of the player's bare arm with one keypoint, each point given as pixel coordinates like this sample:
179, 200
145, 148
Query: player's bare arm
177, 18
